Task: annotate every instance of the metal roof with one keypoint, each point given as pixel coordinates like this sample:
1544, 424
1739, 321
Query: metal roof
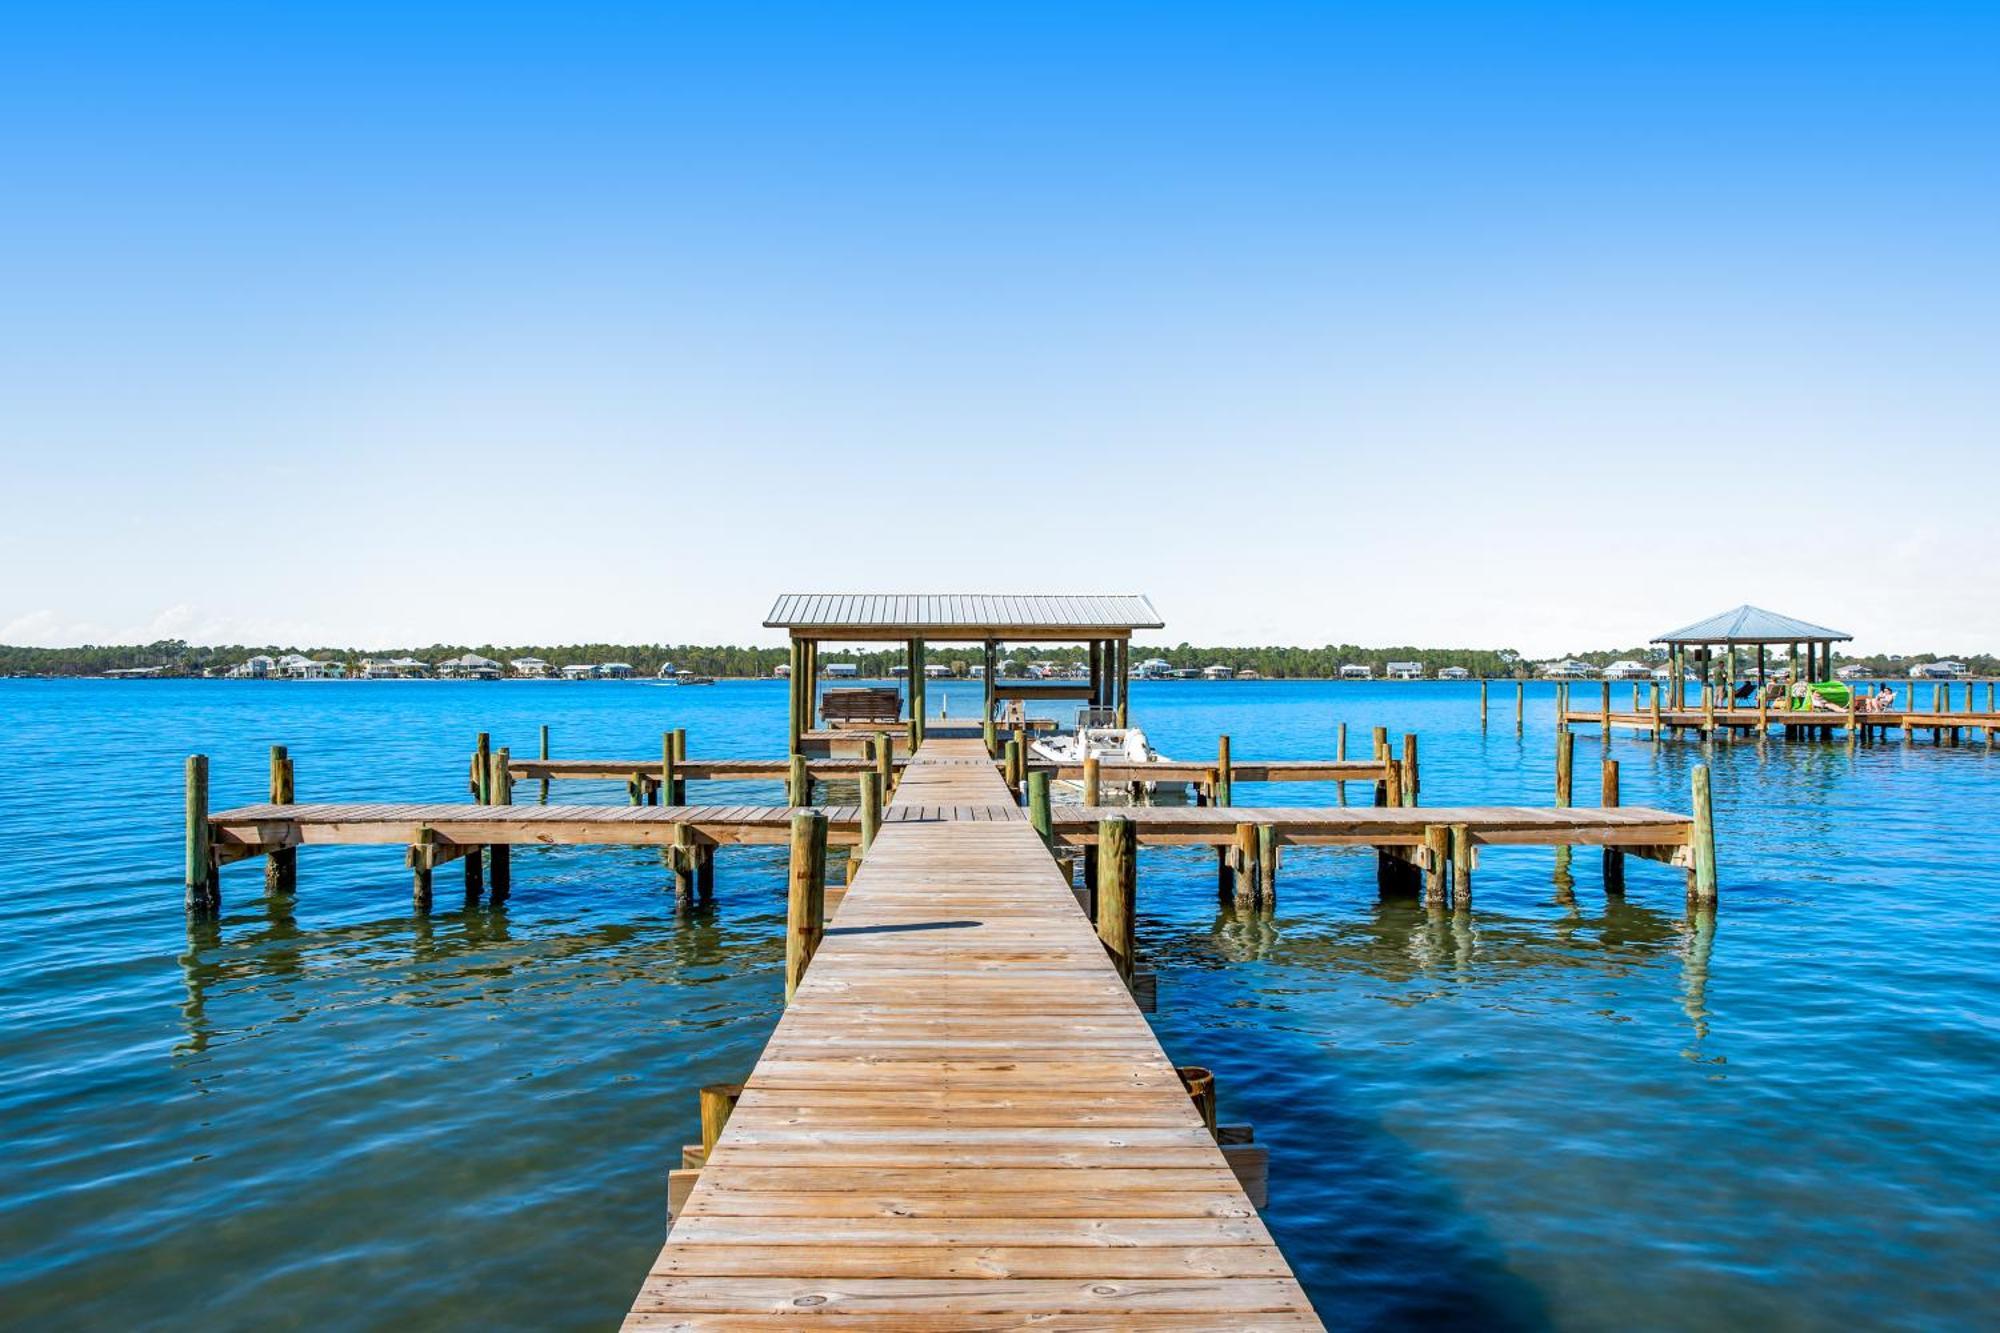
891, 614
1753, 624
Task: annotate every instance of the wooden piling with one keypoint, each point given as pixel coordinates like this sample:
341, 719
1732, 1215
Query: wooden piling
1038, 806
1614, 859
1409, 768
1482, 703
545, 758
805, 902
667, 767
1701, 877
871, 810
1010, 764
1200, 1085
1340, 742
1224, 784
500, 857
1267, 865
1565, 759
1243, 866
482, 780
676, 792
420, 859
1117, 873
1093, 785
798, 786
885, 764
281, 866
682, 863
1520, 703
1437, 856
203, 890
1461, 868
718, 1101
991, 732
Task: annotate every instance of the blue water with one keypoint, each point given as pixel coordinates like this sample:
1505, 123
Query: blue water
1561, 1112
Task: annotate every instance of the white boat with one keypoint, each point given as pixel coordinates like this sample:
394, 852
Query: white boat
1111, 745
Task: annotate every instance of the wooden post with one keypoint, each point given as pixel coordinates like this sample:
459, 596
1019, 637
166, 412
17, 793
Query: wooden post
1654, 696
420, 859
1038, 807
1340, 742
1243, 866
794, 722
203, 891
1565, 758
1093, 789
1200, 1085
1390, 792
482, 794
1604, 706
1379, 737
682, 862
1409, 768
1437, 856
545, 759
871, 810
1224, 784
1013, 761
992, 737
718, 1100
1701, 878
1482, 703
1461, 868
500, 788
1117, 873
281, 866
885, 764
1614, 860
679, 793
805, 902
1267, 865
667, 768
1520, 702
918, 705
798, 787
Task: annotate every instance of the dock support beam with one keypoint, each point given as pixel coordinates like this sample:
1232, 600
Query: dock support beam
1701, 876
1614, 860
1224, 783
1117, 875
1437, 856
683, 862
1461, 868
805, 901
203, 891
1038, 807
500, 791
1093, 782
281, 868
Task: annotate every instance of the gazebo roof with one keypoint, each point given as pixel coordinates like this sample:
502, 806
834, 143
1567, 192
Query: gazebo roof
1753, 624
961, 616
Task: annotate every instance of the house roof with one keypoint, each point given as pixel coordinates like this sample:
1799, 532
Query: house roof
961, 616
1753, 624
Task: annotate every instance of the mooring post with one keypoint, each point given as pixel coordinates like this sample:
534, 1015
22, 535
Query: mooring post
420, 858
885, 764
1200, 1085
500, 786
1038, 807
1340, 742
1565, 758
1267, 865
1409, 768
281, 866
798, 787
679, 794
1021, 753
1011, 762
704, 870
1520, 703
1614, 860
871, 810
718, 1100
1243, 866
1117, 873
1093, 786
203, 889
1225, 782
667, 768
805, 902
1461, 868
1482, 703
682, 863
1437, 854
991, 732
545, 759
1701, 878
1390, 792
482, 769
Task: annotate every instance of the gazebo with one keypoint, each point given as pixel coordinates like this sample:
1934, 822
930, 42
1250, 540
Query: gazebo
1103, 622
1746, 627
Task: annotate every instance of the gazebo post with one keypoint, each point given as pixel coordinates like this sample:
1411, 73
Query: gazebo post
917, 704
992, 657
792, 703
1124, 680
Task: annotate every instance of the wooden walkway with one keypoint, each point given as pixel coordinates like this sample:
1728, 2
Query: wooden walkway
1751, 721
962, 1120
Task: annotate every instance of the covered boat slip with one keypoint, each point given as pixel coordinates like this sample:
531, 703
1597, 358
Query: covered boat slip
963, 1121
1103, 623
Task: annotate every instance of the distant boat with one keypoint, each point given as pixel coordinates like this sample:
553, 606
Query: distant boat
686, 678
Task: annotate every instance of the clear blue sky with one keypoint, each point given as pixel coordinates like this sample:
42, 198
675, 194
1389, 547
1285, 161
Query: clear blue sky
1539, 325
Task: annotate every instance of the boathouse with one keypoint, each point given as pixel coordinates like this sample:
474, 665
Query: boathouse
1810, 649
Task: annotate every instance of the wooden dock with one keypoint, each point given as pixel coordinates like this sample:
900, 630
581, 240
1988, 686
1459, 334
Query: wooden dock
963, 1121
1944, 728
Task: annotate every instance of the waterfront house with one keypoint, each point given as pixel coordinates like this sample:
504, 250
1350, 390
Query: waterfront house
782, 671
579, 671
1154, 668
936, 671
392, 668
1627, 669
1355, 671
471, 666
615, 670
837, 671
1937, 670
1854, 671
1569, 669
1403, 670
1248, 673
259, 667
1453, 673
1216, 672
529, 668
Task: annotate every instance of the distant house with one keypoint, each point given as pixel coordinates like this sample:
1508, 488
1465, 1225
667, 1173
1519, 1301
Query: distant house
615, 670
1355, 671
1217, 672
898, 671
1627, 670
1938, 670
1854, 671
1453, 673
936, 671
297, 666
1187, 673
531, 668
579, 671
1569, 669
782, 671
469, 667
1153, 668
1403, 670
839, 671
1248, 674
392, 668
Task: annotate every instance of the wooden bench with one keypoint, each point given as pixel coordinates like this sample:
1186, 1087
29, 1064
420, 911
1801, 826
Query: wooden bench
872, 703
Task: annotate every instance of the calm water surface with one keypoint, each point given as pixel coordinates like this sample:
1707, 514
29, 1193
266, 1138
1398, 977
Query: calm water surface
1560, 1113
